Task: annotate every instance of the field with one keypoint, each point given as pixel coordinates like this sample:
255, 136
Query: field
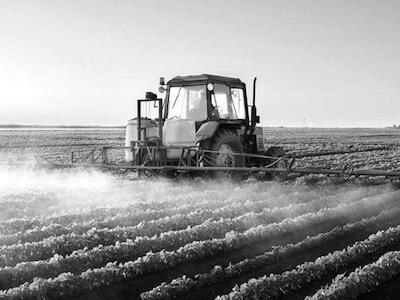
85, 234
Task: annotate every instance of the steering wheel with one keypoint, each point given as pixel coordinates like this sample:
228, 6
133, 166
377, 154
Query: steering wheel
174, 118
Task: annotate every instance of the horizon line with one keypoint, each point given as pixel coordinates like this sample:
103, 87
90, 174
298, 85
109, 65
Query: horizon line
11, 126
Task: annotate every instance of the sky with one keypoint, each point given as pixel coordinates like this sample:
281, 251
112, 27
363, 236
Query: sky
319, 63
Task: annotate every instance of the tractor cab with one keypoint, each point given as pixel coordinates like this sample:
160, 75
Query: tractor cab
195, 106
204, 98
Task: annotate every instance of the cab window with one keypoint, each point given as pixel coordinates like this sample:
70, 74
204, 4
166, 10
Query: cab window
188, 102
222, 103
237, 95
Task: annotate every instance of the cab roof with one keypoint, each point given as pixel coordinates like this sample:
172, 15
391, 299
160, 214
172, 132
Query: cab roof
205, 78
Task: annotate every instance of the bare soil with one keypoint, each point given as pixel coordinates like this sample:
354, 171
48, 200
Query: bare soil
387, 291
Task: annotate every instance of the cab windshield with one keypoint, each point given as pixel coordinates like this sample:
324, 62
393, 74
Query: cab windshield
188, 102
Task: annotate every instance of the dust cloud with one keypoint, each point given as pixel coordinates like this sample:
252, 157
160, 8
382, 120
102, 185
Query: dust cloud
30, 191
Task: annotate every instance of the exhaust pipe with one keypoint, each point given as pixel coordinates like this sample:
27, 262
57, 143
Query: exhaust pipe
254, 118
254, 91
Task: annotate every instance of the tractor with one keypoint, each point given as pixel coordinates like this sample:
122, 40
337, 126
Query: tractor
204, 123
204, 126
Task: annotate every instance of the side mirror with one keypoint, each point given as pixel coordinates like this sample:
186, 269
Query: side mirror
151, 96
257, 119
162, 81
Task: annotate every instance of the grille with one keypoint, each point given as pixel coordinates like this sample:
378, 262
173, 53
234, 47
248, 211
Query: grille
260, 143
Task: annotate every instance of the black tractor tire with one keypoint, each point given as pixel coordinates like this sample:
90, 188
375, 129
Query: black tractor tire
226, 142
275, 154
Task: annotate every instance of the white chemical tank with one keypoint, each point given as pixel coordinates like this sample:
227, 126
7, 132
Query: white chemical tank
149, 129
177, 132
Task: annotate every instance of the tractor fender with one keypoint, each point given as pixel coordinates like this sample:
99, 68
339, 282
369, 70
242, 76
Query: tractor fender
206, 131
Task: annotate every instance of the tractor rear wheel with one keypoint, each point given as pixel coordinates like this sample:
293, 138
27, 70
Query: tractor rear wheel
226, 145
276, 162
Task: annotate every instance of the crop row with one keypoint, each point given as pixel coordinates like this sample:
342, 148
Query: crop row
100, 214
132, 219
184, 284
65, 244
129, 219
133, 248
84, 259
131, 214
138, 219
377, 160
274, 286
152, 262
362, 280
275, 197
